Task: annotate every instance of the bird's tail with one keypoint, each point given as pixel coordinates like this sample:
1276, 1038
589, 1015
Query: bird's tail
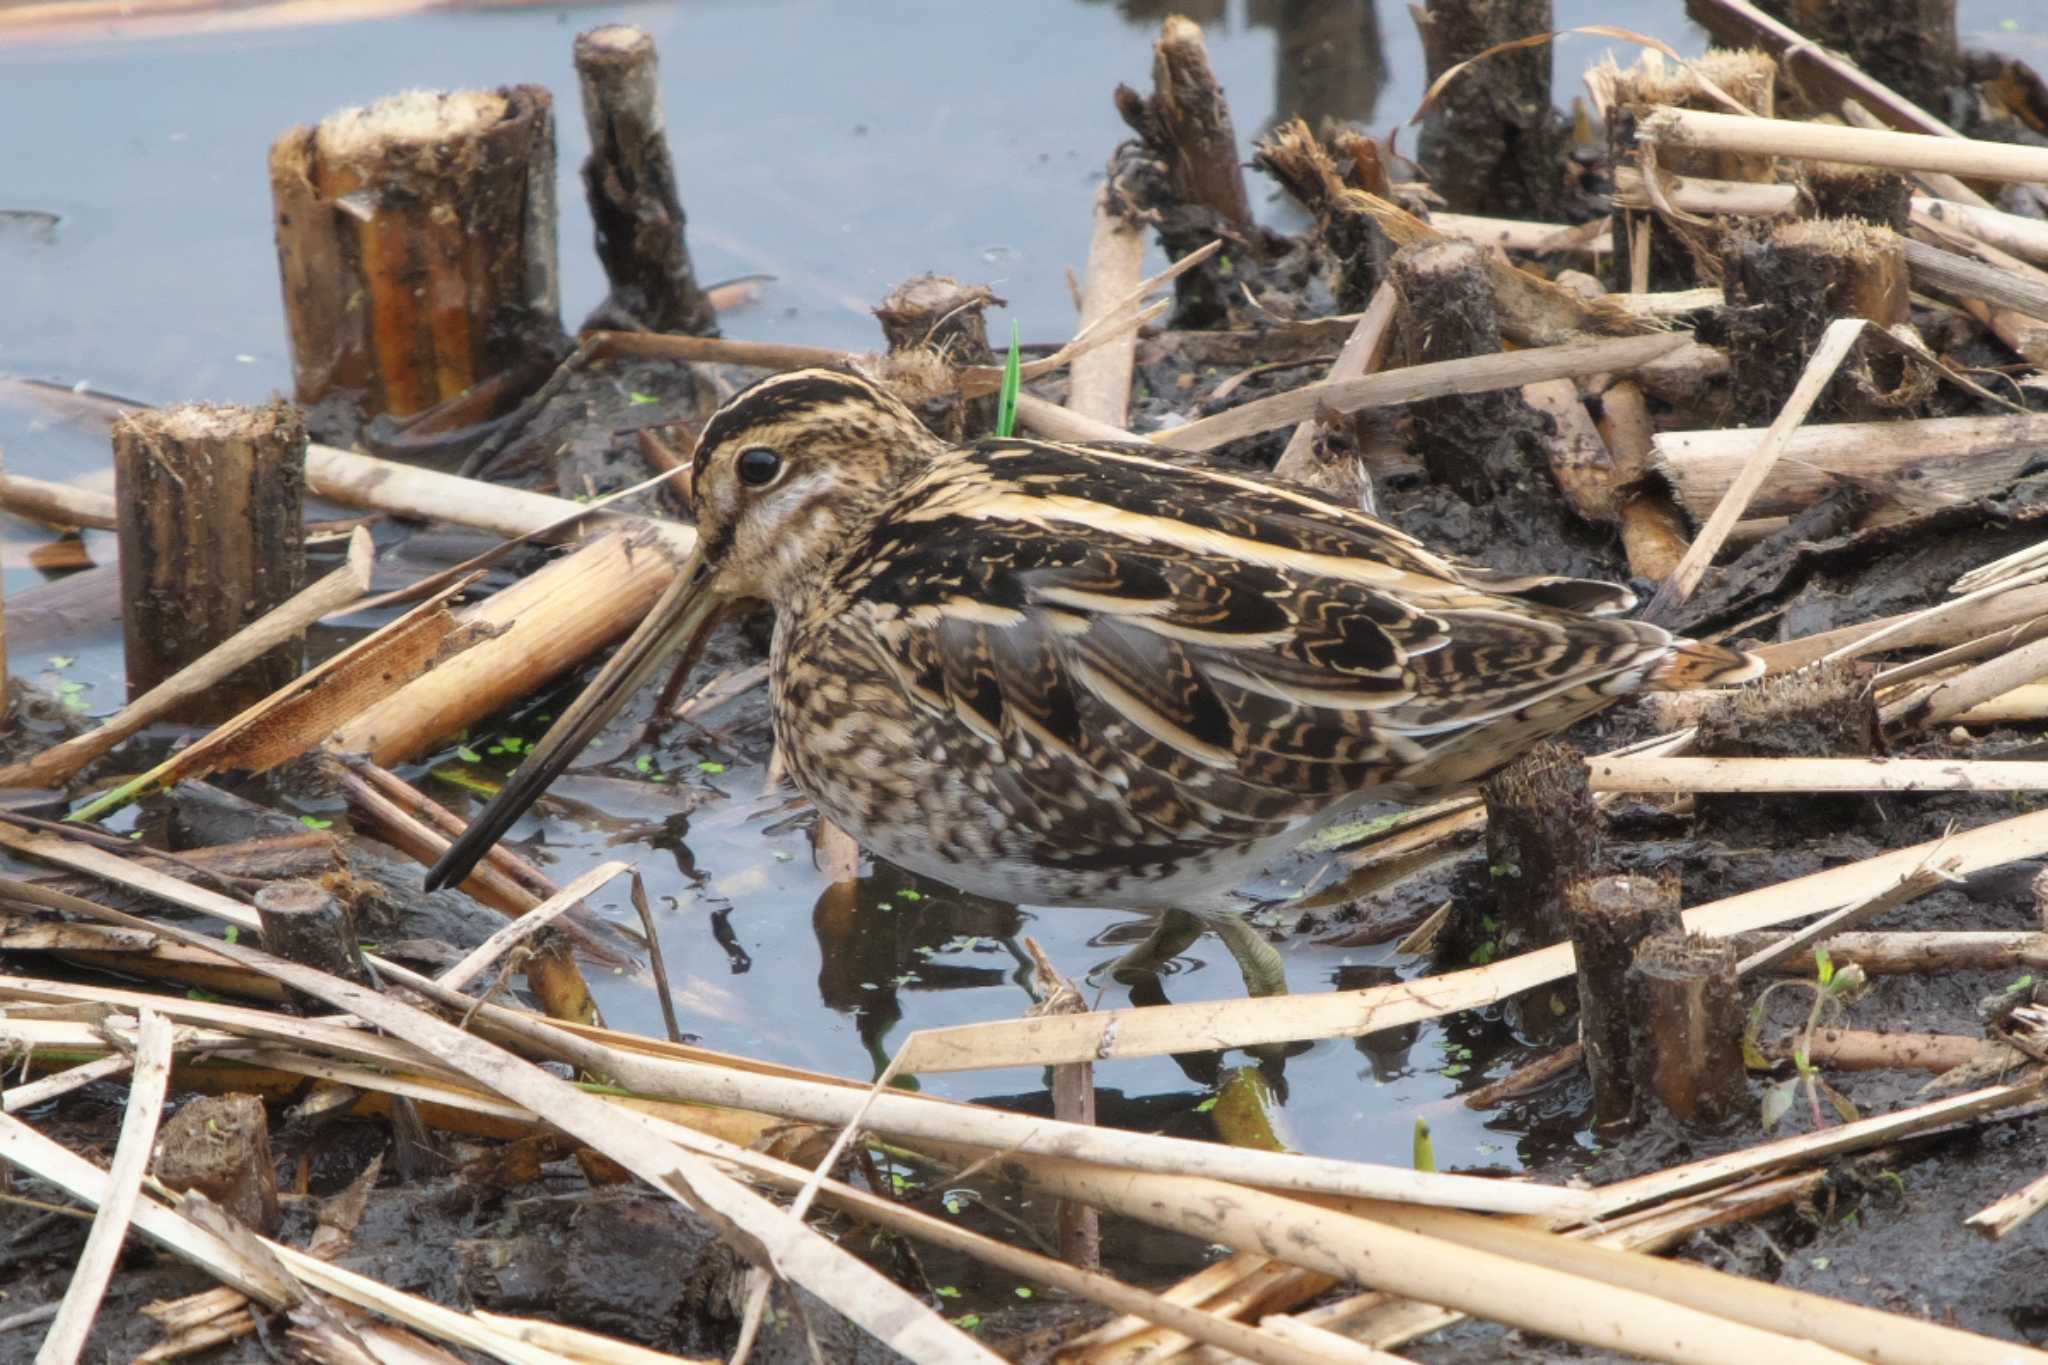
1694, 663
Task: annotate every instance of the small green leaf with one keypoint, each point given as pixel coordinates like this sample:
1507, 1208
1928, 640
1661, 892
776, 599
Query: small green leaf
1425, 1149
1013, 380
315, 822
62, 661
514, 745
907, 894
644, 763
710, 768
947, 1291
1824, 966
1023, 1291
1206, 1105
967, 1322
1777, 1103
234, 933
641, 400
467, 754
953, 1206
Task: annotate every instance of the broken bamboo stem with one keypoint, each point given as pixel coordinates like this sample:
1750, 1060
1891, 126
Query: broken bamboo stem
1099, 383
1695, 130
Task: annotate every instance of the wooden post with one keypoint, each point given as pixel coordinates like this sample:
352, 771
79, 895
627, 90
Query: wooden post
1687, 1051
1492, 139
416, 239
210, 501
1676, 251
1356, 243
1188, 120
1909, 45
219, 1145
934, 324
630, 179
1073, 1101
1475, 443
307, 923
1185, 126
1608, 917
1542, 837
1784, 285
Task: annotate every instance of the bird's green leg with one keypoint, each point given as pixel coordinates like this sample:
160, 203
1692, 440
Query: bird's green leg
1176, 930
1265, 973
1173, 933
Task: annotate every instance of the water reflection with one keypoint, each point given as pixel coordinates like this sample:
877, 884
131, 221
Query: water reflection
890, 933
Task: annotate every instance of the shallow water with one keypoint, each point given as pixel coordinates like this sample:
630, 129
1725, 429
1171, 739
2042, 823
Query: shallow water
840, 149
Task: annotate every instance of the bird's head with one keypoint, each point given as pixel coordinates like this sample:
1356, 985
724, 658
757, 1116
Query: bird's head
788, 469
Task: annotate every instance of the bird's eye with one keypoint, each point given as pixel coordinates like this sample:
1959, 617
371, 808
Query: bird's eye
759, 466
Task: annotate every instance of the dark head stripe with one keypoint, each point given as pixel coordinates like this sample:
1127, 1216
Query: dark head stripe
772, 399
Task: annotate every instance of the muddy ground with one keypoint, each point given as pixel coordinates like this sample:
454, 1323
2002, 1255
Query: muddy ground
541, 1238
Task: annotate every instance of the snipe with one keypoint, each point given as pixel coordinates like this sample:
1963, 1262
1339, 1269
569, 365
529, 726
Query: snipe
1078, 674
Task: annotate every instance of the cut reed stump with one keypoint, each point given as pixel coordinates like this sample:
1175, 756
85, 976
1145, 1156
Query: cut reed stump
1654, 251
1865, 194
1189, 121
1909, 45
1357, 245
219, 1145
305, 922
211, 507
630, 179
1493, 139
1185, 127
1475, 443
1784, 285
1825, 711
934, 325
1608, 918
416, 240
1542, 838
1687, 1005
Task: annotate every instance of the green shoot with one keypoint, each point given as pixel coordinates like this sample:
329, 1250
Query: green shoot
1013, 379
1425, 1150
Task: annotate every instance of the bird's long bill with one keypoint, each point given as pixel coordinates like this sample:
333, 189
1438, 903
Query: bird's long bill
681, 618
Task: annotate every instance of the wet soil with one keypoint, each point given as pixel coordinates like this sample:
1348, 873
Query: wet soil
546, 1237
